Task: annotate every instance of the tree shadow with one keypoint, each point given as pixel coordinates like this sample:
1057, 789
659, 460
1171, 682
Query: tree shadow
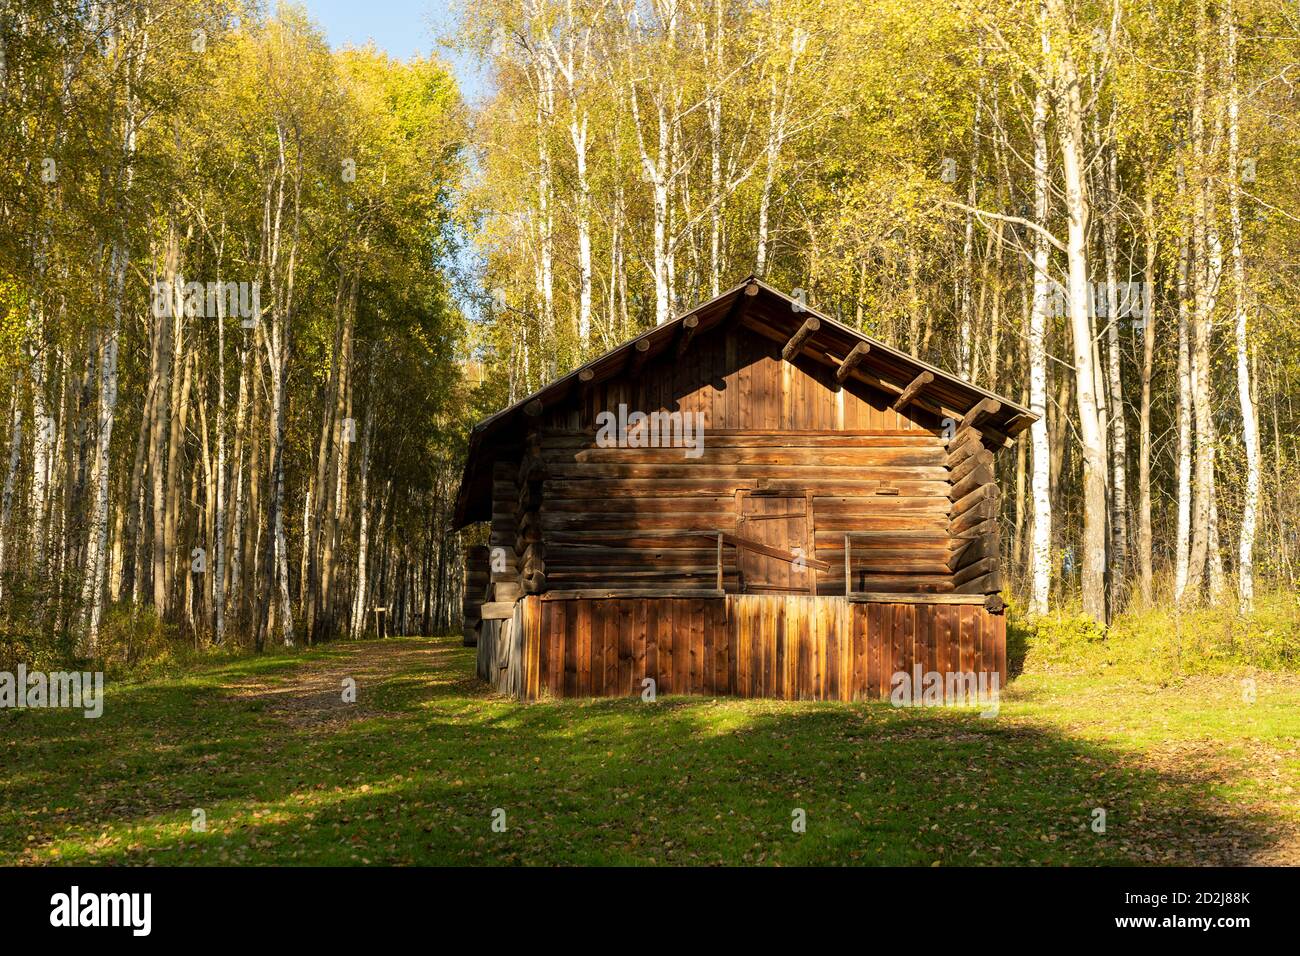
423, 772
1017, 646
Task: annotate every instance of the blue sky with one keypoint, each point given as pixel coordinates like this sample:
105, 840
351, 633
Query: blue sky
403, 28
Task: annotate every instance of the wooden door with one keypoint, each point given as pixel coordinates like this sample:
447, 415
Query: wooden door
784, 523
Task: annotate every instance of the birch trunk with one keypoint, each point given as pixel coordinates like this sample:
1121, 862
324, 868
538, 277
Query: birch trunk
176, 479
1118, 563
714, 114
15, 461
1069, 108
235, 591
313, 519
1144, 424
1207, 253
1182, 550
545, 215
654, 172
278, 562
965, 298
578, 137
363, 540
218, 573
1249, 418
778, 119
93, 589
571, 64
331, 501
1041, 560
162, 415
133, 567
43, 435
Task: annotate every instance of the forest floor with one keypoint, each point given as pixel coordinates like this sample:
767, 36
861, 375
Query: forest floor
266, 753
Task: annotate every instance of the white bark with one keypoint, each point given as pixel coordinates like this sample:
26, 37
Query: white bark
1118, 431
168, 352
545, 215
1069, 109
1041, 479
714, 114
778, 118
1207, 268
281, 569
1249, 417
15, 461
965, 296
1182, 550
571, 64
241, 506
363, 536
43, 433
1144, 425
218, 575
655, 173
97, 544
578, 136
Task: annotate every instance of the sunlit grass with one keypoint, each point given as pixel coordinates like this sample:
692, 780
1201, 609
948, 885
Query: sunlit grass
411, 774
1164, 642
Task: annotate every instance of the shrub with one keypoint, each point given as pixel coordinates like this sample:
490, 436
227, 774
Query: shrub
1164, 642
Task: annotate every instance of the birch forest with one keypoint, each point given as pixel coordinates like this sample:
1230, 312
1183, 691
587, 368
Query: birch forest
254, 292
1092, 208
233, 407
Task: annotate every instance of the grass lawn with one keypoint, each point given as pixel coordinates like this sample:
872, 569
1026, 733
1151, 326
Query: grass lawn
286, 772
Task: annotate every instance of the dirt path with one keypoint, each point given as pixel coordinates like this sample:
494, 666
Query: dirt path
312, 693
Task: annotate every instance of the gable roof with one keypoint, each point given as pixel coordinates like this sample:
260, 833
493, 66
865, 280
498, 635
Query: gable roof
883, 367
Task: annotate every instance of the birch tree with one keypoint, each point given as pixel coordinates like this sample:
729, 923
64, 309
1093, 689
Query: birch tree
1070, 124
1040, 482
1249, 418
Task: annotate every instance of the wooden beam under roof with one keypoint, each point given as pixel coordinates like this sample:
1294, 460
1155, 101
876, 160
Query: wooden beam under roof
896, 390
689, 325
979, 411
1018, 423
638, 355
802, 335
913, 389
856, 355
861, 374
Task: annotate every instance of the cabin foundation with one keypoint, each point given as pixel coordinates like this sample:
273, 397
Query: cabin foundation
792, 647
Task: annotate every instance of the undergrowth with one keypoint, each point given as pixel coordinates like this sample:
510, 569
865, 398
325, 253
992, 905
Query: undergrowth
1163, 641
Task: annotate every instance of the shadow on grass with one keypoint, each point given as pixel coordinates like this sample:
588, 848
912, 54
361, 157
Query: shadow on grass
1018, 635
414, 774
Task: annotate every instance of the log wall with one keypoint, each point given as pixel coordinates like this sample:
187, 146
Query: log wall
790, 647
474, 592
624, 517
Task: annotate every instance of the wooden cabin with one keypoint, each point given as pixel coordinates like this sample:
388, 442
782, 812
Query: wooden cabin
752, 499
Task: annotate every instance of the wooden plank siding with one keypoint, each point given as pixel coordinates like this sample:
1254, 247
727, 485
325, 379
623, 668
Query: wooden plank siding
793, 647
